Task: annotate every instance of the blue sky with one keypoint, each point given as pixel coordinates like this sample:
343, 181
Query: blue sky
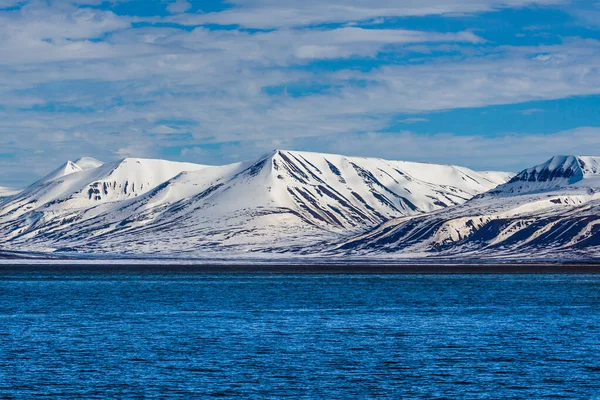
489, 84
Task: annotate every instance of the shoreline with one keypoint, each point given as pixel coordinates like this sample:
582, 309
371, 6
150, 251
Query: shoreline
427, 268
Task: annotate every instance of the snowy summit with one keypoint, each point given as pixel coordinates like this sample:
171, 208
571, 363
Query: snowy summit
285, 201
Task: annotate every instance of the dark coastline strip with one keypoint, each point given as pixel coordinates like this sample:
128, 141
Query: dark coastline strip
517, 268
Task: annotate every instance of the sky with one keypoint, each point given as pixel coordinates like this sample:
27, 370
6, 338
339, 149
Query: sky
487, 84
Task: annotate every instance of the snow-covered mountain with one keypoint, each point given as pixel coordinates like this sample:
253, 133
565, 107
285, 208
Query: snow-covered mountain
284, 201
73, 186
551, 210
560, 172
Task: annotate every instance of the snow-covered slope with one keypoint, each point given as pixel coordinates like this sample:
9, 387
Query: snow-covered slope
497, 176
551, 210
67, 168
557, 173
284, 201
71, 187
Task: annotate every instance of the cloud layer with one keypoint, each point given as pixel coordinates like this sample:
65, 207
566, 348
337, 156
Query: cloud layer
267, 14
316, 75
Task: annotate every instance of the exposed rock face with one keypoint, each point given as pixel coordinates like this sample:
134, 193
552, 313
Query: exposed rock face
548, 211
284, 201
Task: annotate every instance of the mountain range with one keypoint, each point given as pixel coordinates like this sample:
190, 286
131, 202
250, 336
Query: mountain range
294, 204
551, 211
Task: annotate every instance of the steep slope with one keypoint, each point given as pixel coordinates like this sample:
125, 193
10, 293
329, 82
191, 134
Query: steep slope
283, 201
65, 169
551, 210
35, 195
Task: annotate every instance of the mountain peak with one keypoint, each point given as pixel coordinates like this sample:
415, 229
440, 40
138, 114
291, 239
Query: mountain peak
557, 172
65, 169
572, 168
292, 197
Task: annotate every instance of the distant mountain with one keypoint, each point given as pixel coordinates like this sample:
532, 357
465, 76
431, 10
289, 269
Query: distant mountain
549, 211
284, 201
72, 187
559, 172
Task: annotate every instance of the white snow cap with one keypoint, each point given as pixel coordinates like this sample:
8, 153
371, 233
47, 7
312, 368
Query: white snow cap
586, 165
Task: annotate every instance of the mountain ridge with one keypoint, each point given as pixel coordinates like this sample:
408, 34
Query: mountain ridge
550, 210
282, 201
557, 172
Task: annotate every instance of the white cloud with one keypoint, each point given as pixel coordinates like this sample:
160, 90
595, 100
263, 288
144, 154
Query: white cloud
511, 77
266, 14
24, 46
510, 152
163, 130
587, 13
67, 22
349, 41
178, 6
531, 111
218, 85
250, 91
139, 150
412, 120
10, 3
40, 33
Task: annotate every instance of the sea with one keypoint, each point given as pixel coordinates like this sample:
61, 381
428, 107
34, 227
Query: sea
98, 333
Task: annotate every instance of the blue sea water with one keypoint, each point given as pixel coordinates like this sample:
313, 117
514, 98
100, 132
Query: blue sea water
192, 335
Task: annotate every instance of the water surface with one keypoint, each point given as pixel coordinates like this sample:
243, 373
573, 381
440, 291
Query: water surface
190, 335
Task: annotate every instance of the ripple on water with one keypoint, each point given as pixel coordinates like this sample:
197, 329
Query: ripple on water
301, 336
